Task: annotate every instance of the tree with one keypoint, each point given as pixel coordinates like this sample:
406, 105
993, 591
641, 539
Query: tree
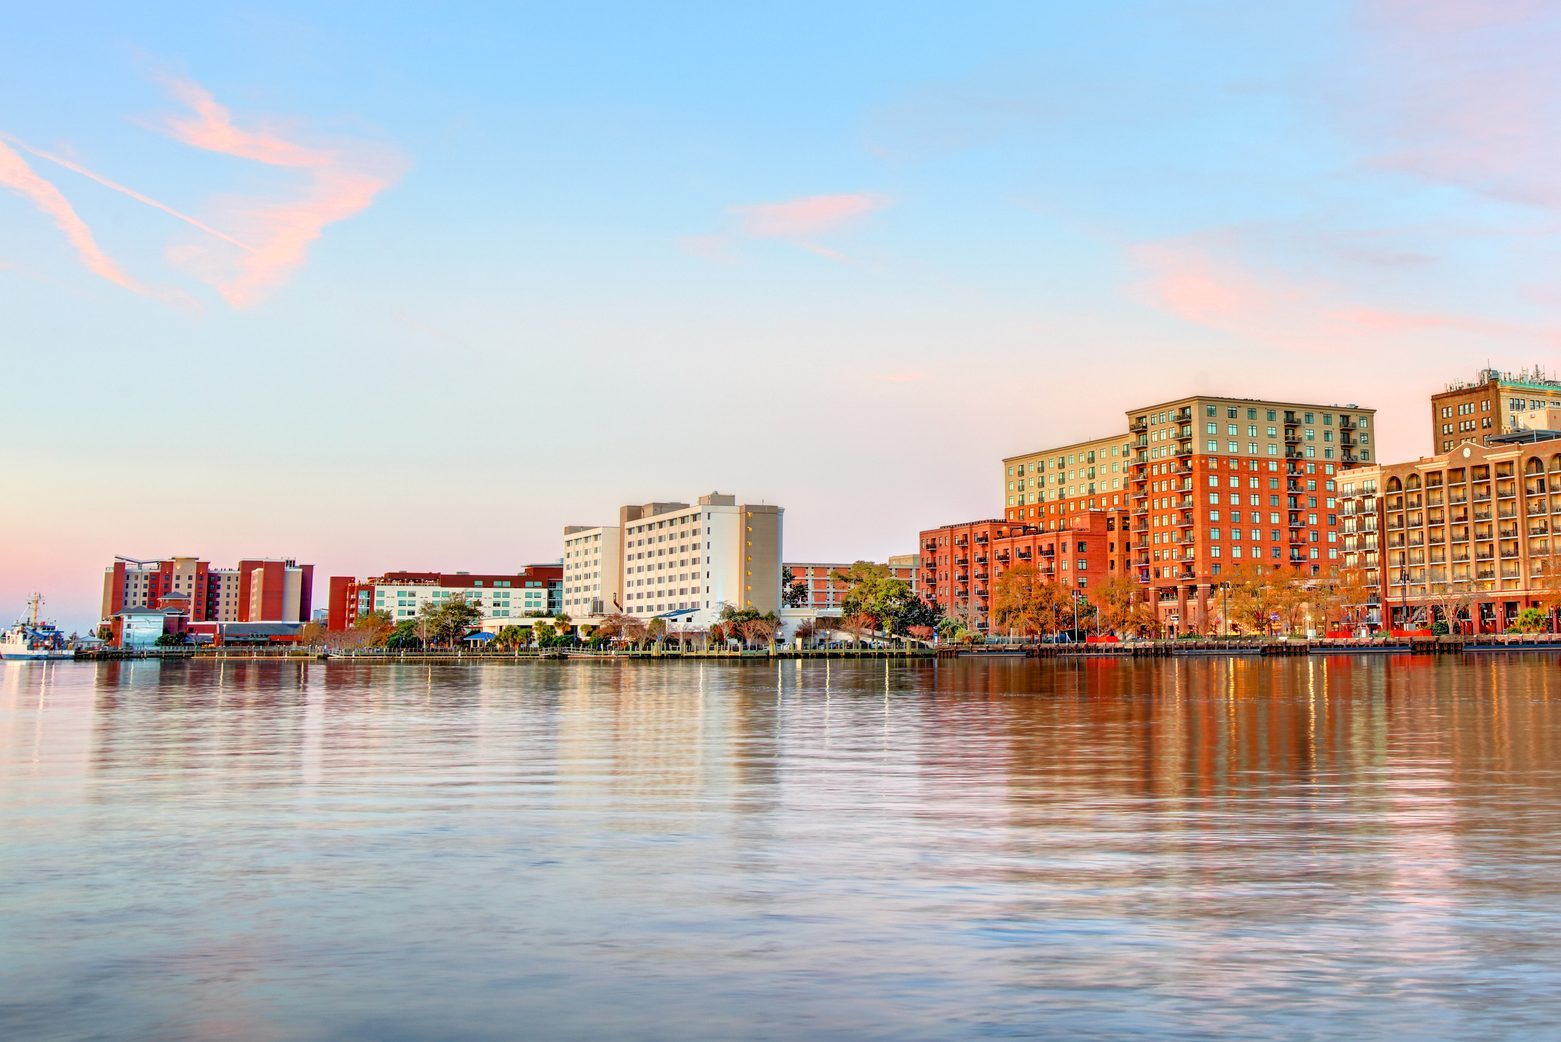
626, 628
448, 622
1259, 597
1337, 597
511, 637
170, 640
858, 625
805, 630
872, 589
794, 592
375, 626
311, 634
1025, 602
965, 616
543, 633
922, 633
1123, 607
1547, 580
562, 623
1451, 601
405, 636
657, 630
756, 631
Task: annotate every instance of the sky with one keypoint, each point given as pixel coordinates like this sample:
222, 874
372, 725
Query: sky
384, 286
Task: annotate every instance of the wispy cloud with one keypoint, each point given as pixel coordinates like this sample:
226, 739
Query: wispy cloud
342, 180
139, 197
1467, 93
800, 222
911, 377
1193, 282
807, 217
268, 238
16, 175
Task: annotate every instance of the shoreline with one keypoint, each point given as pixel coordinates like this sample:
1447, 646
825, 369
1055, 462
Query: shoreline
1485, 644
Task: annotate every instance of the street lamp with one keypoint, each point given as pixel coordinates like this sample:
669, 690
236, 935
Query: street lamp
1225, 606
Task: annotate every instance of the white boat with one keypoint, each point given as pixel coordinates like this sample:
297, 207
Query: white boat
32, 638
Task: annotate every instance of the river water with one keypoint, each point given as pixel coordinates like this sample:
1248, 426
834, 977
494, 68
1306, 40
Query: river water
1298, 848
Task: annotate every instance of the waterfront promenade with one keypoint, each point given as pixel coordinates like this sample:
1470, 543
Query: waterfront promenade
1446, 645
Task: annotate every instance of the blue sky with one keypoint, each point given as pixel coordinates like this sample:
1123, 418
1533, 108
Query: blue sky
501, 269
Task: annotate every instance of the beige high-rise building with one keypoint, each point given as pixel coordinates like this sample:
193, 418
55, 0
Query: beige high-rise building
592, 571
680, 561
1472, 532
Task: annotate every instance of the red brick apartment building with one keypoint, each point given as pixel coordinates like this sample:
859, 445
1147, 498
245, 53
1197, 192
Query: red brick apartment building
1193, 489
959, 563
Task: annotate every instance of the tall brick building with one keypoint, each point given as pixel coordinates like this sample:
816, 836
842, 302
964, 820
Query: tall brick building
256, 590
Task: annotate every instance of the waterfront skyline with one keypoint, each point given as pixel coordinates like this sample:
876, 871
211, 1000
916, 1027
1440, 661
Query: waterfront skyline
390, 293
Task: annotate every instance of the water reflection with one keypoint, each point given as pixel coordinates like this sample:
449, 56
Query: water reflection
1312, 847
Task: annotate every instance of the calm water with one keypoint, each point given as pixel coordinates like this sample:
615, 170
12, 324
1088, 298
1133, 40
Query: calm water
1325, 848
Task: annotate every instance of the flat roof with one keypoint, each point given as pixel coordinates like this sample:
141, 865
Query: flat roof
1124, 436
1336, 406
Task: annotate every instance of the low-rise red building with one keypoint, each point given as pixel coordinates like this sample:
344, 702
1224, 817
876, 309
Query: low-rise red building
959, 563
504, 599
824, 591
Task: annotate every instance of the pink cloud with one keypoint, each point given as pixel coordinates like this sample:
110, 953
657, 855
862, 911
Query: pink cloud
1190, 284
342, 181
807, 217
798, 221
16, 175
1198, 284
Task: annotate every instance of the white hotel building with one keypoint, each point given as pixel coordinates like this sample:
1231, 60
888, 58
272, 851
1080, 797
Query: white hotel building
676, 560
